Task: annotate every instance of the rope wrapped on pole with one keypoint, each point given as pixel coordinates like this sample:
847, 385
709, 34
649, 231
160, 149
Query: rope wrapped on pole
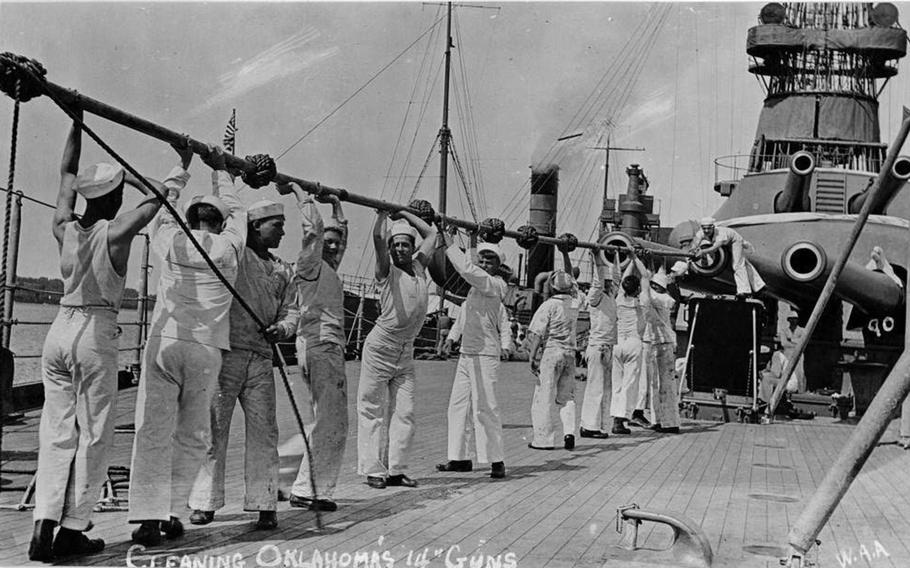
70, 98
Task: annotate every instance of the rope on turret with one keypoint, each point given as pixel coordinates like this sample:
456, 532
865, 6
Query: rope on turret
528, 237
258, 176
492, 230
567, 242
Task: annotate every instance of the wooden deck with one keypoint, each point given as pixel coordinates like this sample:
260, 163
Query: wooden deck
744, 484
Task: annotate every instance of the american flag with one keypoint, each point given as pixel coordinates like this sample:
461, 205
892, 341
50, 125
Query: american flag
229, 132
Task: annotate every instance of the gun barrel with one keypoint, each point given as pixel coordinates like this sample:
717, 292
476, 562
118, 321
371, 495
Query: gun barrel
892, 183
794, 198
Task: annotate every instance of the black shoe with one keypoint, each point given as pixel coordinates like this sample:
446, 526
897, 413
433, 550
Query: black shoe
268, 520
498, 470
200, 517
283, 495
74, 543
400, 480
669, 430
619, 427
456, 465
172, 528
41, 548
585, 433
638, 418
320, 504
569, 441
148, 533
376, 482
533, 447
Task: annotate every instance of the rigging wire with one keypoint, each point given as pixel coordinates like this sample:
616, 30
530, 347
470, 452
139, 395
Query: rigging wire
672, 188
359, 89
366, 255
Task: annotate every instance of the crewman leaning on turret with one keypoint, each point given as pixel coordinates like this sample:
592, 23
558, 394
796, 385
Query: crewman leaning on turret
710, 237
79, 360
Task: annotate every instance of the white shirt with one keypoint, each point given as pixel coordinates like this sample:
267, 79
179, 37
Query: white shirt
555, 321
659, 328
403, 303
483, 332
320, 295
602, 313
192, 303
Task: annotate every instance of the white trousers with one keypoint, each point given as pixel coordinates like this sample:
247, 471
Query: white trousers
647, 381
665, 393
173, 425
554, 393
626, 374
79, 372
595, 408
246, 376
474, 395
324, 389
747, 279
385, 407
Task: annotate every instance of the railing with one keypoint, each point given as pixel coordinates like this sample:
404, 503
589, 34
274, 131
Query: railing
854, 156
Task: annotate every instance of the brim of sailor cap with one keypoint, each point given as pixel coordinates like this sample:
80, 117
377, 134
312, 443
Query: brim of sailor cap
495, 249
264, 209
98, 180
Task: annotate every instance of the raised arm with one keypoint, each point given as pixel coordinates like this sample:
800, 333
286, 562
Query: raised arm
596, 293
309, 260
381, 245
340, 222
69, 169
128, 224
474, 275
427, 233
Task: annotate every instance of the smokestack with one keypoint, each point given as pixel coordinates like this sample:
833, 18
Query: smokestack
544, 186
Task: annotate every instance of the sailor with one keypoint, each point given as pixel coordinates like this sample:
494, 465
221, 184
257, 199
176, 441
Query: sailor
595, 408
772, 374
790, 338
385, 395
182, 359
554, 323
660, 356
483, 341
320, 350
627, 355
710, 238
79, 359
266, 283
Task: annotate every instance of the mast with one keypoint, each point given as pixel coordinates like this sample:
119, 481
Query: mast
444, 133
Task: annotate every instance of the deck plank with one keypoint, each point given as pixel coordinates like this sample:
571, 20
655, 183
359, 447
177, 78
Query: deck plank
555, 508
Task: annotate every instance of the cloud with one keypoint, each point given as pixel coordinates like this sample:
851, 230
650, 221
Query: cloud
283, 59
654, 109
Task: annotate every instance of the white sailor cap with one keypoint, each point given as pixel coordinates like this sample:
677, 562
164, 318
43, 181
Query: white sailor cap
211, 200
490, 247
403, 228
264, 209
561, 281
98, 179
707, 221
660, 279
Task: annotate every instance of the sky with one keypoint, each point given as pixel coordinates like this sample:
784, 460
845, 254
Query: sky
521, 72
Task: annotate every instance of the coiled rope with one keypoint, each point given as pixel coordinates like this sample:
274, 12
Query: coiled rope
183, 226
